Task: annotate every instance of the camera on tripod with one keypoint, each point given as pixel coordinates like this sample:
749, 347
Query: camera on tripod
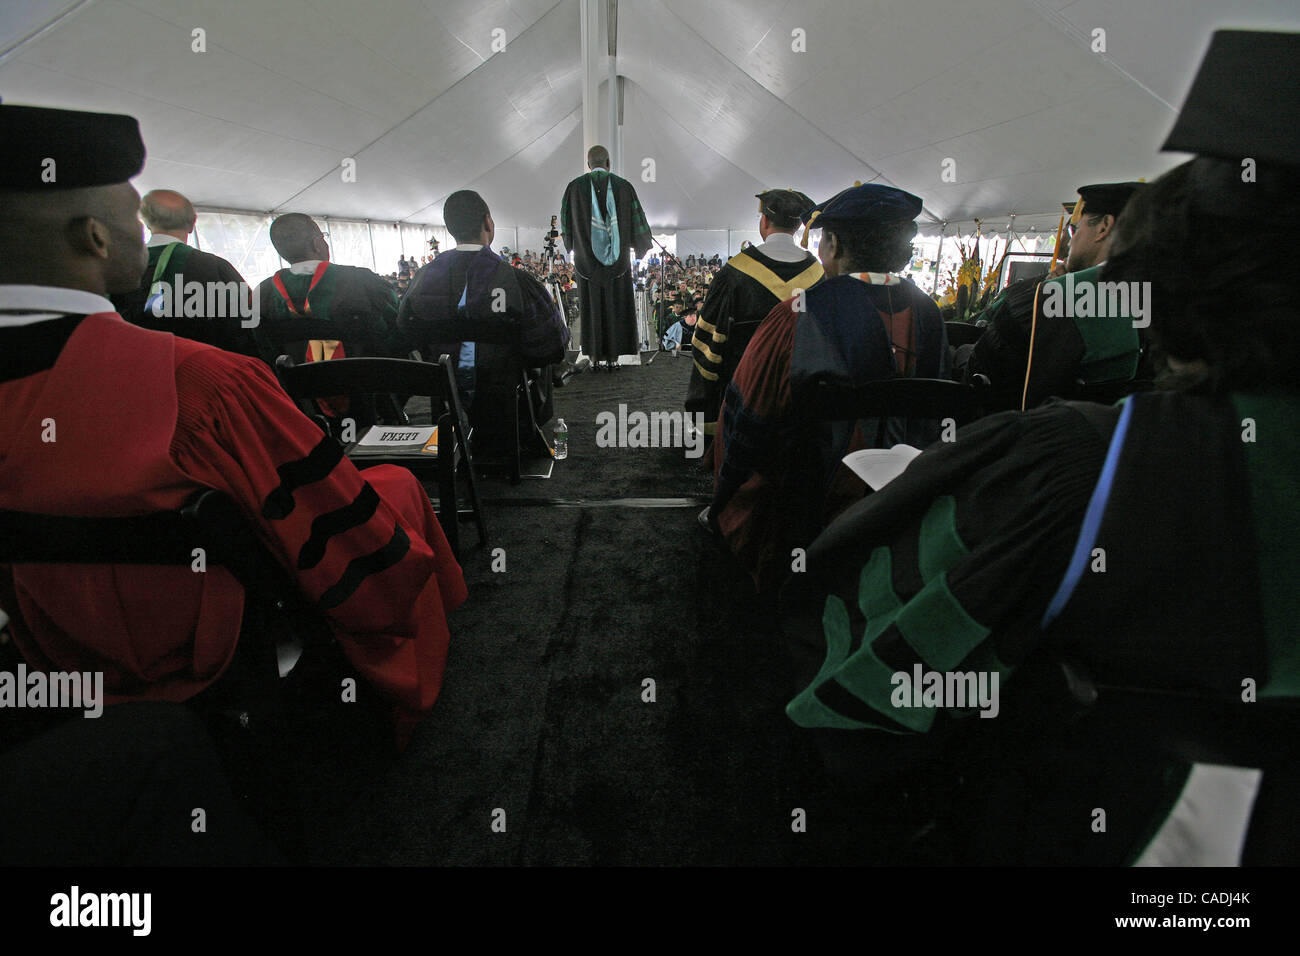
549, 253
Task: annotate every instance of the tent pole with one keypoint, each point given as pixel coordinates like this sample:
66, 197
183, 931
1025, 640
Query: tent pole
589, 12
1010, 222
618, 138
938, 259
614, 158
611, 35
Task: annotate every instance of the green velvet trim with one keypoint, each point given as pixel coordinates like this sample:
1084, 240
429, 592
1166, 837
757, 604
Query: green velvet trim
806, 710
1273, 466
938, 628
933, 622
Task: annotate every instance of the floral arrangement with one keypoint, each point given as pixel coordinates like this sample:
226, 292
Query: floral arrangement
967, 289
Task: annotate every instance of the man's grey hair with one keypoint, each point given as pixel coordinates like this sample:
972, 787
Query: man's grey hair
163, 209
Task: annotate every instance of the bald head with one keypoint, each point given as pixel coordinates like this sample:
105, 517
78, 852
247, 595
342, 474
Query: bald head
169, 213
87, 239
297, 238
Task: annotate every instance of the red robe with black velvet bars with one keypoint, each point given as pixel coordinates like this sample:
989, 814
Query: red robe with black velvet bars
142, 420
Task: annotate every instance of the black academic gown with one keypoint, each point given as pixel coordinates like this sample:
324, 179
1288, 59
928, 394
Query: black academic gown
1150, 544
740, 296
529, 333
186, 265
349, 304
607, 305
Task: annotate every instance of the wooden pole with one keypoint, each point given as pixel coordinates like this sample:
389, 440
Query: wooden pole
1056, 249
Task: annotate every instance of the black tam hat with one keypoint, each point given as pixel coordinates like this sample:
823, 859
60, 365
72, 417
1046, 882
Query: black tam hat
865, 203
1107, 199
42, 148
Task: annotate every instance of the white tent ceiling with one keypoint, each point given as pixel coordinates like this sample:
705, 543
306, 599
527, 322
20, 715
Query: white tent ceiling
1009, 90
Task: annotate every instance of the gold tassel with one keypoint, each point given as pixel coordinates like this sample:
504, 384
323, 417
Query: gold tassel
804, 241
811, 219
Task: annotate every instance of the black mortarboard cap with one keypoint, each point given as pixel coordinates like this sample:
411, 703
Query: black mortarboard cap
1243, 102
1242, 118
785, 207
87, 149
1107, 199
870, 202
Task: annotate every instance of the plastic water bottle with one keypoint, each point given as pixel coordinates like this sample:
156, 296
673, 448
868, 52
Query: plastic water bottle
561, 440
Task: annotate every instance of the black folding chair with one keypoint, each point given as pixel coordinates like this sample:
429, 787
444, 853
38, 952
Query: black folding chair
524, 398
1108, 393
1194, 727
522, 419
930, 399
377, 376
498, 363
274, 606
962, 333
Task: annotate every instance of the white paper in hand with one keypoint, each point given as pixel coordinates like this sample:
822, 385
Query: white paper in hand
879, 466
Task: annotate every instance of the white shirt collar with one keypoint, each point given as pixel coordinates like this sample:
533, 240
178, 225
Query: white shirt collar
162, 239
39, 302
306, 267
782, 247
468, 246
875, 278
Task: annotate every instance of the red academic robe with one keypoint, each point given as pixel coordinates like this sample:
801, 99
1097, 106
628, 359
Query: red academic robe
755, 514
772, 490
140, 420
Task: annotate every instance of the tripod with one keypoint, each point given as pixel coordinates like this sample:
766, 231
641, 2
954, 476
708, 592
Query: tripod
663, 283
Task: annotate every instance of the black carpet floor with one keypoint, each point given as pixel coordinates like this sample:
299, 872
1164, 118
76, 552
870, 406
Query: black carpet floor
542, 726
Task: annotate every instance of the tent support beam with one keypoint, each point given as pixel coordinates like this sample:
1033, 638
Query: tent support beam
592, 51
611, 36
938, 259
615, 160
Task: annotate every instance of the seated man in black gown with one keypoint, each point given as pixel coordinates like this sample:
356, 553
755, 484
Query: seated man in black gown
493, 320
1030, 350
184, 290
317, 309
